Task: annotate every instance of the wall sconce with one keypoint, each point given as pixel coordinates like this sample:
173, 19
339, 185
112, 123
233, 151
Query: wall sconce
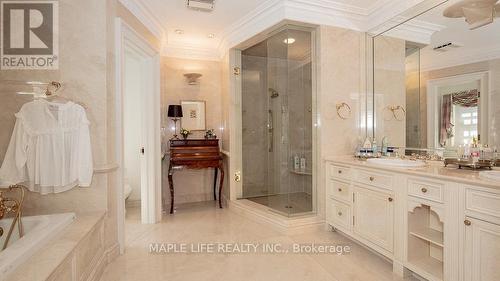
192, 78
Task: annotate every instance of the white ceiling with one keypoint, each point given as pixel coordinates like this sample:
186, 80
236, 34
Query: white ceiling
234, 21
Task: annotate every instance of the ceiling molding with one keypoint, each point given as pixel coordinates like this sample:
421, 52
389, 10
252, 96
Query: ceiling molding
416, 31
190, 52
272, 12
264, 16
145, 16
462, 58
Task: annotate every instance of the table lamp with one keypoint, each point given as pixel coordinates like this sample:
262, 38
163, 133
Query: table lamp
175, 112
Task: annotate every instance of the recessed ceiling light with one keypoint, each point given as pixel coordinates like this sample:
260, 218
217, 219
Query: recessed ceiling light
179, 31
211, 35
289, 41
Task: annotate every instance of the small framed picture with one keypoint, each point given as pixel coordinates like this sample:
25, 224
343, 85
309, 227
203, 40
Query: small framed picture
193, 115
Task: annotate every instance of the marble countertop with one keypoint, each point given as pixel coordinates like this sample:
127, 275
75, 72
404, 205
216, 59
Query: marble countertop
434, 169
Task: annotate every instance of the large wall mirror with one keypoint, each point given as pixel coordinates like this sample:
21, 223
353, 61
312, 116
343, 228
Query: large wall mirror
436, 76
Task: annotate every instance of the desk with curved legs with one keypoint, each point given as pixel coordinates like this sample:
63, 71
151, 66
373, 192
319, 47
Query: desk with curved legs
195, 154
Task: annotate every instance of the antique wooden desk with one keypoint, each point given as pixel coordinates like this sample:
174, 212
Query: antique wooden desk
195, 154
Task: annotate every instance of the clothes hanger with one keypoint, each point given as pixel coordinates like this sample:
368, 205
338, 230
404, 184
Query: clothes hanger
51, 94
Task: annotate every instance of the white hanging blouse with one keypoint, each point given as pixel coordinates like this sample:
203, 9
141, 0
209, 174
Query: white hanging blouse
50, 148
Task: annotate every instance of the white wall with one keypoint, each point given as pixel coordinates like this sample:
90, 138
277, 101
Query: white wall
132, 124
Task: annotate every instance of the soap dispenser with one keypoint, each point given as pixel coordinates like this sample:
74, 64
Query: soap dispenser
385, 145
374, 147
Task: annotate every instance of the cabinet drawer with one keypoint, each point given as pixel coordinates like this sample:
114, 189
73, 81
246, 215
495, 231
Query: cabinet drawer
339, 190
340, 214
375, 179
339, 172
427, 190
482, 202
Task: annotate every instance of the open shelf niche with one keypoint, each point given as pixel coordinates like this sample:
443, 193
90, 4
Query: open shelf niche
425, 242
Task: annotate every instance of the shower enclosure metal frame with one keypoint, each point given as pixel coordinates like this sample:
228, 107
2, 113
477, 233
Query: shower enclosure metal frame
235, 126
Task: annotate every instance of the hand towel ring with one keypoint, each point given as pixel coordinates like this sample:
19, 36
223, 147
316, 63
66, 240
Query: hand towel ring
344, 111
394, 109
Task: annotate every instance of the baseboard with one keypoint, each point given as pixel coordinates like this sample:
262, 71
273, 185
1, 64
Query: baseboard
282, 224
132, 203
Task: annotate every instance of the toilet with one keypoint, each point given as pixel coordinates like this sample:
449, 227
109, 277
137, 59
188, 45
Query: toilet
127, 190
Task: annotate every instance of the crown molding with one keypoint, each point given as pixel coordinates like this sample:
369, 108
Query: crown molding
462, 58
264, 16
145, 16
272, 12
190, 52
416, 31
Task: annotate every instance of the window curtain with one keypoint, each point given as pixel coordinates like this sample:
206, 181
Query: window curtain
446, 115
466, 98
469, 98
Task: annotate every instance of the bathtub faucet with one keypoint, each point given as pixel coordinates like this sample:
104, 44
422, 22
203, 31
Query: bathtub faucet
11, 206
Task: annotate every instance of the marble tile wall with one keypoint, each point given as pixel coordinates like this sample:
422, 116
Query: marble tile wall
390, 89
340, 65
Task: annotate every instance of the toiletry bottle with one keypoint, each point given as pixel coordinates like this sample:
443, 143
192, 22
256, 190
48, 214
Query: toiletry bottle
303, 163
385, 145
374, 147
296, 162
475, 151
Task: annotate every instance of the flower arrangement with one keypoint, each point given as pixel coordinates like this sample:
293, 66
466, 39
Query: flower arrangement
210, 134
185, 133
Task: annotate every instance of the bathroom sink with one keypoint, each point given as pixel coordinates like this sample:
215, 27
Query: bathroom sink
394, 162
490, 175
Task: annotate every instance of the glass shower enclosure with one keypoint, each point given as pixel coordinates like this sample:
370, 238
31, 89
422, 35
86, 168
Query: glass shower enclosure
277, 122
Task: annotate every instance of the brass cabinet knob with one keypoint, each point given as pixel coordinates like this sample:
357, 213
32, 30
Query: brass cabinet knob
340, 214
340, 171
372, 178
340, 189
390, 199
467, 222
424, 190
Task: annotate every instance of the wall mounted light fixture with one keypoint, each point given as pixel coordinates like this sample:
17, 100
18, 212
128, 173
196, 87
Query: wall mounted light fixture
192, 78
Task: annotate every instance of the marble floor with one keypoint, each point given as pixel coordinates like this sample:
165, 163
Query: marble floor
204, 223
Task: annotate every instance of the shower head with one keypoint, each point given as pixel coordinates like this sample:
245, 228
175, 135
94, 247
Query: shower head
274, 93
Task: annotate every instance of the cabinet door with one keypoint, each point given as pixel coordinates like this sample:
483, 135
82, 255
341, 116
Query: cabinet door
374, 216
482, 251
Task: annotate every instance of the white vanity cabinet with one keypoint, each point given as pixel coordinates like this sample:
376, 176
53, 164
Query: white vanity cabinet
361, 204
374, 216
482, 250
482, 235
439, 224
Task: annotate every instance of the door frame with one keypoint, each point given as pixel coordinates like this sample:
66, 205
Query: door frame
151, 209
434, 103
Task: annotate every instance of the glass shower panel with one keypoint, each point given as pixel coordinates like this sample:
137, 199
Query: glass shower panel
258, 171
277, 122
277, 49
300, 124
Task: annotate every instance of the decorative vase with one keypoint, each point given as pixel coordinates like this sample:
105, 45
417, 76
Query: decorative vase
185, 137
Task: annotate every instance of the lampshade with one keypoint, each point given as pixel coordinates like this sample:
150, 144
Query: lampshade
175, 111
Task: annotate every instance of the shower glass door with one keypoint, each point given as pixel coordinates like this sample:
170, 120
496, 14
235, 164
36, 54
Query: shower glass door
277, 122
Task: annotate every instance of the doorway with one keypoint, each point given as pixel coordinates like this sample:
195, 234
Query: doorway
138, 142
